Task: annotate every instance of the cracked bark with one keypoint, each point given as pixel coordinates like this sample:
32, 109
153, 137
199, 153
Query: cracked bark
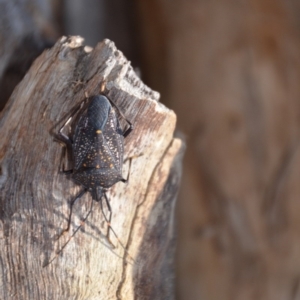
35, 195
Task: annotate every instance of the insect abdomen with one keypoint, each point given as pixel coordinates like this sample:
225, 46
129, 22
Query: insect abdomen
91, 178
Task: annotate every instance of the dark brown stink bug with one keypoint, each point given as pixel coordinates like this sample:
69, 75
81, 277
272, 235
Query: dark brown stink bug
97, 144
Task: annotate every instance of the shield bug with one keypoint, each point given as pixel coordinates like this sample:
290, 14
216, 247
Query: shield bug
97, 145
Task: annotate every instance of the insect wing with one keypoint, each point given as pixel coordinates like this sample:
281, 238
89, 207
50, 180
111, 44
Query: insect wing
98, 112
90, 124
102, 163
82, 141
99, 155
106, 150
114, 140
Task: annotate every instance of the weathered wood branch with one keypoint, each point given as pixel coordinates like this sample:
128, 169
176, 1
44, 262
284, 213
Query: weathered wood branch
35, 195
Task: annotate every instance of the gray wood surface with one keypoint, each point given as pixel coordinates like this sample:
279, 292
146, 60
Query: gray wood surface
34, 194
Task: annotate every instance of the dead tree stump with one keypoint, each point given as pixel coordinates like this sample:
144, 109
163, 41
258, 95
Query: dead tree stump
35, 195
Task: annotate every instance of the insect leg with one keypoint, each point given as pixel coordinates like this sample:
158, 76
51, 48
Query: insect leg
110, 215
73, 234
130, 128
65, 137
71, 210
110, 227
67, 171
108, 220
130, 162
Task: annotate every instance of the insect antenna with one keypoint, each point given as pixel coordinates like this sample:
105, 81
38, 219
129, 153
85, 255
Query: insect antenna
109, 225
68, 227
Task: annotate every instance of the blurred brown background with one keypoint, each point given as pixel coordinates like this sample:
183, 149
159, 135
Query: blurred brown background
231, 71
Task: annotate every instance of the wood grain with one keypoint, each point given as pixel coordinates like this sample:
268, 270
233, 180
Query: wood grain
34, 194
